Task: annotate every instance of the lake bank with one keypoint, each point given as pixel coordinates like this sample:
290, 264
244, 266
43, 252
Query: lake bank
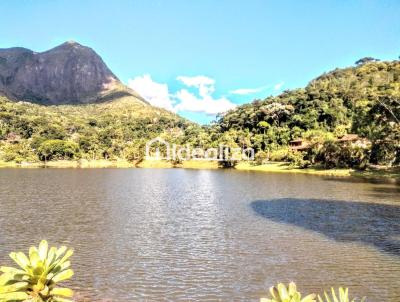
272, 167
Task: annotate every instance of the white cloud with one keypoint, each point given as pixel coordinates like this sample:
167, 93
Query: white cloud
206, 104
183, 100
196, 81
155, 93
245, 91
279, 85
204, 84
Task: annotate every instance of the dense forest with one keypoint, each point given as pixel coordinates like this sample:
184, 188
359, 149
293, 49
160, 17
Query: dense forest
363, 101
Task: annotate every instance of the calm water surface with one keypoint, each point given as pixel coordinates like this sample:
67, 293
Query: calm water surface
187, 235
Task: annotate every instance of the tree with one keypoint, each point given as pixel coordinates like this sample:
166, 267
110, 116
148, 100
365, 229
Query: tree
366, 60
57, 149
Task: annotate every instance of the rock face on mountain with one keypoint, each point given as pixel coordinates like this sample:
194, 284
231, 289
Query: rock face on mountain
67, 74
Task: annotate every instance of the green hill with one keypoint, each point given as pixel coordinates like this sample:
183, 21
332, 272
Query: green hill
109, 130
362, 100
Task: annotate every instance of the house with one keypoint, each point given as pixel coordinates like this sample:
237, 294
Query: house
353, 140
299, 145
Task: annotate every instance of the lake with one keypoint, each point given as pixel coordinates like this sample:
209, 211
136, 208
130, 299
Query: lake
206, 235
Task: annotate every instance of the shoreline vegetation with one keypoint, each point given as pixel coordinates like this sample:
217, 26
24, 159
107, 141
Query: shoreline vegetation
270, 167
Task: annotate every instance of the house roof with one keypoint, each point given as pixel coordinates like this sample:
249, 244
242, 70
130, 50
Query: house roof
349, 138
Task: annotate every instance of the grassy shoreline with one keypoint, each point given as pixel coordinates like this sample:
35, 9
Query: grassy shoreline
272, 167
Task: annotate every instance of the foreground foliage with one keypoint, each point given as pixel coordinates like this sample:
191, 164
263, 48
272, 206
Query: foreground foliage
37, 276
342, 296
283, 293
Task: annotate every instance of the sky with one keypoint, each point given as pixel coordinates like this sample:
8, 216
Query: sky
200, 58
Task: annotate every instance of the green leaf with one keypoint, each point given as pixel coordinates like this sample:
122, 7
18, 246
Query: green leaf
6, 269
68, 254
21, 260
14, 287
60, 252
62, 291
43, 248
309, 298
17, 296
65, 275
34, 256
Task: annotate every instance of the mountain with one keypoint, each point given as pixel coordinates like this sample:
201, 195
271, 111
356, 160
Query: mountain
67, 74
66, 100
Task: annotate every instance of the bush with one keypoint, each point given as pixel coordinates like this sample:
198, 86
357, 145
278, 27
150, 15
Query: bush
57, 149
385, 153
227, 163
296, 158
261, 157
17, 152
279, 154
134, 153
8, 155
334, 155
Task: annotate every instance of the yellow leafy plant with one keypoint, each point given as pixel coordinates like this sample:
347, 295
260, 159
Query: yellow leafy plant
37, 276
343, 296
283, 293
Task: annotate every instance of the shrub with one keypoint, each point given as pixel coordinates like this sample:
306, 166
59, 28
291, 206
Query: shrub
385, 153
279, 154
38, 275
57, 149
134, 153
261, 157
334, 155
296, 158
8, 155
227, 163
17, 152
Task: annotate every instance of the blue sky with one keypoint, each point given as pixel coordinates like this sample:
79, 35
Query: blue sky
194, 55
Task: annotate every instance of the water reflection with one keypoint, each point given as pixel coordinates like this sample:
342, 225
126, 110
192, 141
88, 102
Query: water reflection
374, 224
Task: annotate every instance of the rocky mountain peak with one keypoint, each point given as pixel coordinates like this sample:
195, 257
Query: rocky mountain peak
67, 74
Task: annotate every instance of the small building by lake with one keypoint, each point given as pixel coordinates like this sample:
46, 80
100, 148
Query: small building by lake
299, 145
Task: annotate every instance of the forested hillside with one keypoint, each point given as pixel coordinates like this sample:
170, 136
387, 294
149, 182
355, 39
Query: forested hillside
110, 130
362, 100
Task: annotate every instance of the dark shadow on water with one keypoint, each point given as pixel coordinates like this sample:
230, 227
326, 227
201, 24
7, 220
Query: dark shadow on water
359, 179
373, 224
385, 192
